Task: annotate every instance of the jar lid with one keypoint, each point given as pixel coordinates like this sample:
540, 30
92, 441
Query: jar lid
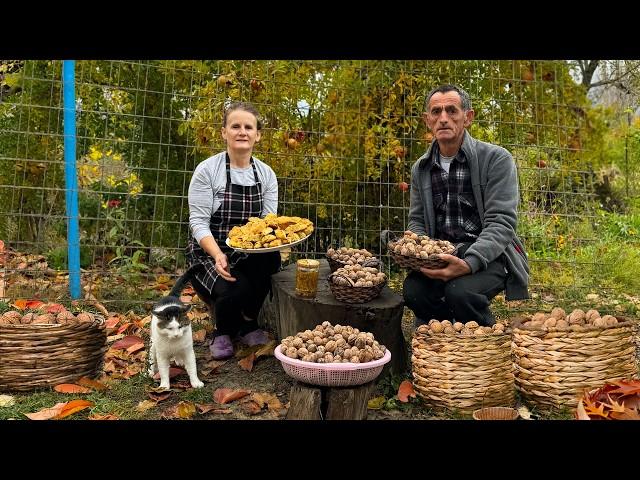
309, 263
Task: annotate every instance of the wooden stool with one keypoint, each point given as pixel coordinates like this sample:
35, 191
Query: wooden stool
287, 314
310, 402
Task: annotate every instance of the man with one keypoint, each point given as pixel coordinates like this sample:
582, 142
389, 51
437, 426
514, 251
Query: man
465, 191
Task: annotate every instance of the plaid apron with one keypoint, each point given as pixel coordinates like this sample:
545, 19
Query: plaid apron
239, 203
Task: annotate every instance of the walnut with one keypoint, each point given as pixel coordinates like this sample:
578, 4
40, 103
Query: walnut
354, 359
65, 318
576, 317
449, 330
312, 347
558, 313
539, 317
472, 325
12, 317
479, 331
458, 326
298, 342
562, 325
44, 319
352, 339
591, 315
302, 352
330, 346
550, 322
437, 327
292, 352
599, 322
85, 317
27, 318
610, 320
308, 358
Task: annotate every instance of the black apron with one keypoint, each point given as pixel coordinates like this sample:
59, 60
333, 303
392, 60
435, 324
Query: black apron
239, 203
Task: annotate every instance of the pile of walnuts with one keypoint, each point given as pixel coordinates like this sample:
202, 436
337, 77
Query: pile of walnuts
350, 256
458, 328
559, 320
13, 317
419, 246
333, 344
361, 276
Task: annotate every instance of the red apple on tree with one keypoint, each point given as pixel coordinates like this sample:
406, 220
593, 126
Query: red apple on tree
404, 186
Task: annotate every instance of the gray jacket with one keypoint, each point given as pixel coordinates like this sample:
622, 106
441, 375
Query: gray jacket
494, 181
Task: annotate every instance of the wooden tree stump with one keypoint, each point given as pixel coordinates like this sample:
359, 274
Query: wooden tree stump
309, 402
287, 313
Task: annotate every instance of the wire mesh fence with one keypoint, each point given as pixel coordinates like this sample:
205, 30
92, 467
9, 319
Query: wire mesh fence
340, 135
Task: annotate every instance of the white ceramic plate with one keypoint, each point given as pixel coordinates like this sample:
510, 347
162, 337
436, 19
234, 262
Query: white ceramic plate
267, 249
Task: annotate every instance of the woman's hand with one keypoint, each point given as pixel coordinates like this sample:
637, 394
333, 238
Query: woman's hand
456, 268
222, 267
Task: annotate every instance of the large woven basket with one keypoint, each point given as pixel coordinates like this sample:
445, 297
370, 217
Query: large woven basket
414, 263
369, 262
554, 368
463, 373
352, 294
37, 356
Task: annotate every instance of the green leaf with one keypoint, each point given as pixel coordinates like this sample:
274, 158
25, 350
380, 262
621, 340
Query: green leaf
376, 403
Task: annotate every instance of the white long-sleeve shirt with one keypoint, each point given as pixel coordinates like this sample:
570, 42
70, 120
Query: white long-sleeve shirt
208, 185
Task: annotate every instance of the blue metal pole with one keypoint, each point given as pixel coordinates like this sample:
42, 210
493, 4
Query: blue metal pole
70, 177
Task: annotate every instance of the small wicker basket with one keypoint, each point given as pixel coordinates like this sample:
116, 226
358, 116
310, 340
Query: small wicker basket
496, 413
37, 356
463, 373
369, 262
352, 294
554, 368
414, 263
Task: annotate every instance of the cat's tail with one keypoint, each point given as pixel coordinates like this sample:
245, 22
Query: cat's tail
181, 281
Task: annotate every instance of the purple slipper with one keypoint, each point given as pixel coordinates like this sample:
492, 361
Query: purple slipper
221, 348
256, 337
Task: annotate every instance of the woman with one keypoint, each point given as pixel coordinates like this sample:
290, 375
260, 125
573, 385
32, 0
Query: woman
225, 190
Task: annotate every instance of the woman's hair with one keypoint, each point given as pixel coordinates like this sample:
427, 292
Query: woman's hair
247, 107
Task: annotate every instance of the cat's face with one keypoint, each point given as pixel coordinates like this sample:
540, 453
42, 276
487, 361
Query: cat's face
171, 317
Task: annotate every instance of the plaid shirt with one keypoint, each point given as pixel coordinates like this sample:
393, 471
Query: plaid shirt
457, 218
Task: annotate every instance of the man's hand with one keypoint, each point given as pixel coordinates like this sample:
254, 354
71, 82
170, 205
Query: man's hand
222, 266
456, 268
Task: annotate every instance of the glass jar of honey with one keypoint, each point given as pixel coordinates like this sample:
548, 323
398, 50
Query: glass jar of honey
307, 277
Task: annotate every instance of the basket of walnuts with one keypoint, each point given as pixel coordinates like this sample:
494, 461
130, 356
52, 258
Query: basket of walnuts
343, 256
356, 284
463, 367
557, 356
42, 349
415, 251
332, 356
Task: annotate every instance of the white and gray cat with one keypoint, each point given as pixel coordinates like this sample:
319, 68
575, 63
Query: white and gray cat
171, 337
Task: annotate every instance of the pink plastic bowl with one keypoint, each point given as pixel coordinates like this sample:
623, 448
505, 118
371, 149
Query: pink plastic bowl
332, 374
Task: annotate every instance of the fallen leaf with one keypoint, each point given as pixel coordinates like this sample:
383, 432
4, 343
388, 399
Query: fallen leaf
376, 403
524, 413
71, 388
123, 327
46, 413
226, 395
112, 322
87, 382
269, 399
74, 406
160, 396
55, 308
246, 351
581, 414
135, 347
247, 362
145, 405
127, 341
34, 304
107, 416
20, 304
267, 349
405, 391
212, 408
251, 408
185, 409
626, 387
7, 401
200, 335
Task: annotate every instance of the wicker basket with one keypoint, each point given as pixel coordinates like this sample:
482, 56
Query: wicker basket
414, 263
369, 262
463, 373
352, 294
496, 413
554, 368
37, 356
332, 374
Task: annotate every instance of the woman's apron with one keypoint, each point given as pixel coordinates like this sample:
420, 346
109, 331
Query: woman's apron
239, 203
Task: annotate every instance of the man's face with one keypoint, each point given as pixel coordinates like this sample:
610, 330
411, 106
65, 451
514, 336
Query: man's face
446, 119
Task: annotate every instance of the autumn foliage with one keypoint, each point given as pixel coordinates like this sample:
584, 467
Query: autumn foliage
617, 400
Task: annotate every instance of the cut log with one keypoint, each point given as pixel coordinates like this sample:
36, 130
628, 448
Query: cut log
286, 313
309, 402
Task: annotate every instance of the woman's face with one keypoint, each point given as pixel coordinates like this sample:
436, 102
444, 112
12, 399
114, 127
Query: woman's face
241, 132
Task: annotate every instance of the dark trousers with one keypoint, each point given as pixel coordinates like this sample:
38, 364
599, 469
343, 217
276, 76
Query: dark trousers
464, 298
231, 302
